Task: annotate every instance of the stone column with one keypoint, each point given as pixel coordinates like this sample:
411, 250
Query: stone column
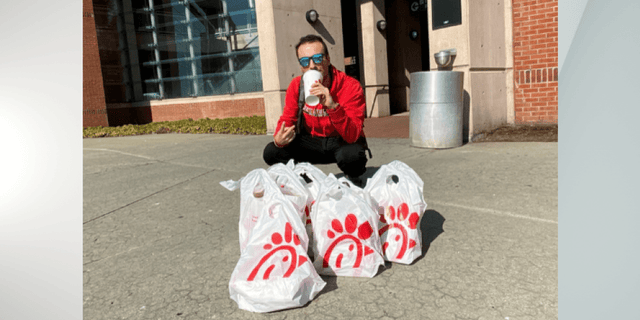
485, 56
273, 95
374, 52
281, 24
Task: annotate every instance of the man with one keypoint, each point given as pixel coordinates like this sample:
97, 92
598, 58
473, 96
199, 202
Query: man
331, 132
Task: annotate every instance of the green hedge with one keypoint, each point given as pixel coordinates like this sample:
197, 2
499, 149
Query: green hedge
244, 125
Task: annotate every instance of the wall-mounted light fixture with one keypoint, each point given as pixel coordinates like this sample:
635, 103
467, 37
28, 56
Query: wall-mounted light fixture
413, 34
312, 16
382, 25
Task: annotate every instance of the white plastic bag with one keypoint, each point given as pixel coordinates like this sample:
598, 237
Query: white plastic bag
360, 192
344, 229
292, 186
397, 191
315, 175
315, 179
274, 271
256, 189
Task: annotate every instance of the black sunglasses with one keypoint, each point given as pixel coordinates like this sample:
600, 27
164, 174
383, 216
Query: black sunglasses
317, 58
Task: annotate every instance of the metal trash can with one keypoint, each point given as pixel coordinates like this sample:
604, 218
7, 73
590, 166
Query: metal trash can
435, 119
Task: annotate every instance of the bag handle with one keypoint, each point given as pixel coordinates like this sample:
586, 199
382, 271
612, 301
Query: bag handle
393, 179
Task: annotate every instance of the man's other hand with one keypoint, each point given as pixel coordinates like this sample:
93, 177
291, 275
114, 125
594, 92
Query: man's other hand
285, 135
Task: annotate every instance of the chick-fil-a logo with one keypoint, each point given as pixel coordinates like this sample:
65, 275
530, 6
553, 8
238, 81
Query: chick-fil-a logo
399, 220
345, 234
278, 243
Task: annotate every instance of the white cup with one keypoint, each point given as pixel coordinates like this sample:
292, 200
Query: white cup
310, 77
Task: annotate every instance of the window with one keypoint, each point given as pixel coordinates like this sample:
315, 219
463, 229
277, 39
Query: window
191, 48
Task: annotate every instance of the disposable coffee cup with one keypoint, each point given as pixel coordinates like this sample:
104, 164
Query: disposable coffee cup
310, 77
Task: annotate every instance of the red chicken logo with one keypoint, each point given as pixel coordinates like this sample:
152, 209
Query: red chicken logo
398, 220
277, 245
345, 234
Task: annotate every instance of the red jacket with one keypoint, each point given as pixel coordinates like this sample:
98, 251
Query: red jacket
346, 120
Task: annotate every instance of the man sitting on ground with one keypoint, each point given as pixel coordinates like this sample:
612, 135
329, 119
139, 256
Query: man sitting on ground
330, 132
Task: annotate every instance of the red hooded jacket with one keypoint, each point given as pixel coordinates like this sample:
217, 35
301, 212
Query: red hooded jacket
346, 120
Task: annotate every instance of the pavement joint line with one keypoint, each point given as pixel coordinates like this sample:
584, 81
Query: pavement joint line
148, 196
495, 212
129, 154
149, 158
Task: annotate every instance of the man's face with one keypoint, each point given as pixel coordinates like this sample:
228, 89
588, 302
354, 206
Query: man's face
308, 50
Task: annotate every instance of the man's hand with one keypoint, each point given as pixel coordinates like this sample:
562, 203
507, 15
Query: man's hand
285, 135
322, 92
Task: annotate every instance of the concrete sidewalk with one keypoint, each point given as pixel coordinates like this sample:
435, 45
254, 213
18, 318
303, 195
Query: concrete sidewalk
161, 234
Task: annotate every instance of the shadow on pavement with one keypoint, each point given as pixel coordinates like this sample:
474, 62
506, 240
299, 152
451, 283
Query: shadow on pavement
366, 175
369, 173
332, 284
431, 226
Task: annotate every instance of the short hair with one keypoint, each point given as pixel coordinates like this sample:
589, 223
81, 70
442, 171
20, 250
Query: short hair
309, 39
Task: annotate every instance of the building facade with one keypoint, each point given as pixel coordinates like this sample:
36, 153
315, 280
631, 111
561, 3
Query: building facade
159, 60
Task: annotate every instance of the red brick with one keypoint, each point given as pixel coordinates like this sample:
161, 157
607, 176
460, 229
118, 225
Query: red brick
549, 49
549, 61
521, 19
538, 16
546, 30
545, 21
525, 86
539, 94
547, 89
538, 36
529, 23
539, 104
93, 104
544, 12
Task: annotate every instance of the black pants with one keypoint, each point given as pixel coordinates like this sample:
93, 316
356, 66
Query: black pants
351, 158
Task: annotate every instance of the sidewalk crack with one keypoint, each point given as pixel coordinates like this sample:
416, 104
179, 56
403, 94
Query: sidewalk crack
148, 196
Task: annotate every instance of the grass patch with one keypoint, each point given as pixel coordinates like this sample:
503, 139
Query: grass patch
244, 125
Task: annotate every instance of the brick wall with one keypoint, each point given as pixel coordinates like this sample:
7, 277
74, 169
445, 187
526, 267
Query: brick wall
211, 110
110, 52
535, 50
123, 113
94, 106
